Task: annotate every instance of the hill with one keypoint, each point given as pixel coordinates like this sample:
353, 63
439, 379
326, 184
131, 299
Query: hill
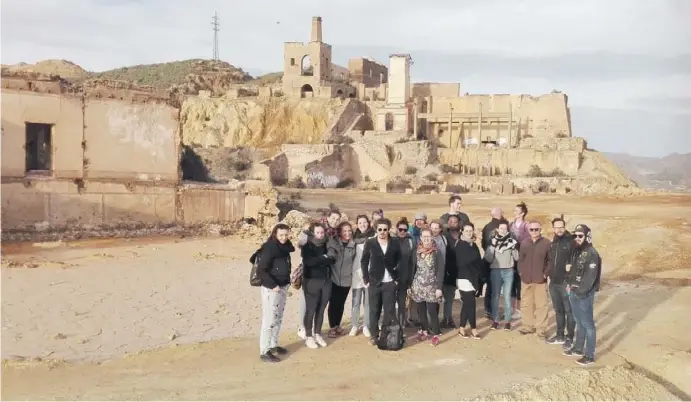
672, 172
186, 76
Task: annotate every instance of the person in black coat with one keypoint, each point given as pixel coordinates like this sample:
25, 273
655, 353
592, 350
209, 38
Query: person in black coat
273, 267
380, 259
317, 261
469, 265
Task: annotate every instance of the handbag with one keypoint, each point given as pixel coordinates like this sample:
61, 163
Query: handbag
255, 279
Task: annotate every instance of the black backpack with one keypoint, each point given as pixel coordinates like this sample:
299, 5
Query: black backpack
255, 279
391, 337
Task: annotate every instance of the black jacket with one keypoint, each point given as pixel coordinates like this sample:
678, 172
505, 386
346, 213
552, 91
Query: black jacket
559, 255
586, 269
487, 232
316, 261
451, 273
406, 265
274, 263
468, 262
378, 262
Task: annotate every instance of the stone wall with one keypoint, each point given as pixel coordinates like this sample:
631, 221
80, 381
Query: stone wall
256, 122
94, 138
516, 161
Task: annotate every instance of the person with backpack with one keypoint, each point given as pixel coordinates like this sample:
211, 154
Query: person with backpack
317, 261
273, 267
406, 268
426, 289
380, 258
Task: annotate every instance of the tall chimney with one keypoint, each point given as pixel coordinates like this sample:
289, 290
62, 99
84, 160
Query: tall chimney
316, 29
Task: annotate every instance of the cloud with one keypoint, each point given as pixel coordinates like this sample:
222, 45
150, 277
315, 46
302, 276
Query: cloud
613, 58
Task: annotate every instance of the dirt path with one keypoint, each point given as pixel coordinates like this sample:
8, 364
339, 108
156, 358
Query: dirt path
95, 302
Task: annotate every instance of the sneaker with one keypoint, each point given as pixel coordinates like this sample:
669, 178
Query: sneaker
585, 361
365, 332
495, 325
435, 340
568, 344
516, 315
269, 357
572, 352
557, 340
301, 333
353, 331
507, 326
320, 341
279, 350
311, 343
527, 331
422, 335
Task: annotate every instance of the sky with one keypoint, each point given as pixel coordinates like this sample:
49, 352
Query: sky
625, 65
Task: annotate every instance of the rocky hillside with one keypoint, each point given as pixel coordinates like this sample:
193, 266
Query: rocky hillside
672, 172
185, 76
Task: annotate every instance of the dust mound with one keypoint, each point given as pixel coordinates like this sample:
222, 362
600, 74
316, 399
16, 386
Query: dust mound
63, 68
609, 383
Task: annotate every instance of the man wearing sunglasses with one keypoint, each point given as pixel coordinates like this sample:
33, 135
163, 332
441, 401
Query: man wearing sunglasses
533, 268
380, 258
584, 280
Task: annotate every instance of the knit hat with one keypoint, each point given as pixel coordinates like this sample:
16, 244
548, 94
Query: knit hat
581, 228
421, 216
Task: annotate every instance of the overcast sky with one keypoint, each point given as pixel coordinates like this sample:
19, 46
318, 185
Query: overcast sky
626, 65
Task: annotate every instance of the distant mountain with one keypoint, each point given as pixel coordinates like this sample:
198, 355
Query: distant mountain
672, 172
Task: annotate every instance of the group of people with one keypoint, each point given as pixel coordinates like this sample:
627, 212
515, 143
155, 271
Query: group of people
410, 273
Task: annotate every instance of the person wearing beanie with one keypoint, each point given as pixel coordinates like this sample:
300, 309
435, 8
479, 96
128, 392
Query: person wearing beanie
419, 223
584, 273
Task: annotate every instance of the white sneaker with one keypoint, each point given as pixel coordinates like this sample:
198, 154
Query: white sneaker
353, 331
310, 343
320, 341
516, 315
365, 332
301, 333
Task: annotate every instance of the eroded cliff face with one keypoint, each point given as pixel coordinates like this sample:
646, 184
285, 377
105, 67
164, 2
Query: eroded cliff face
255, 122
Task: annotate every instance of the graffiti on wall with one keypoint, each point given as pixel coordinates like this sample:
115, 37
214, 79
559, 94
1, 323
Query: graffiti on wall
317, 178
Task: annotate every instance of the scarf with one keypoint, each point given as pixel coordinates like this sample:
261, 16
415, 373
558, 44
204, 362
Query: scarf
504, 243
319, 242
366, 235
424, 251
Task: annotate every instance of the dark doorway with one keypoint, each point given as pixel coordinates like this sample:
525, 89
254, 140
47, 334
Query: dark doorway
38, 148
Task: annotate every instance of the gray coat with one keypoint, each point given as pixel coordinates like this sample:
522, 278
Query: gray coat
504, 258
342, 271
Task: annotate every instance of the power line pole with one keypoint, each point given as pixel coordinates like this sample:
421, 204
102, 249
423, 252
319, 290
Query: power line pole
215, 24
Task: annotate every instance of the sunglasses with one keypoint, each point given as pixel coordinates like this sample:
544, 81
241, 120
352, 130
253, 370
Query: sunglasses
382, 229
534, 229
579, 236
402, 229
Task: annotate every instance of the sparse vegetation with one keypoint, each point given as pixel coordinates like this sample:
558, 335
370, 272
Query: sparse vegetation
398, 185
289, 203
561, 134
431, 177
449, 169
296, 182
536, 171
456, 188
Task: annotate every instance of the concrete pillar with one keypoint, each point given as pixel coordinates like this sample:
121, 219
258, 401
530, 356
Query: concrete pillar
450, 124
510, 124
415, 122
479, 127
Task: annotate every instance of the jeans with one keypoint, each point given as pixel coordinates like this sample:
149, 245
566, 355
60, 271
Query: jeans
382, 297
360, 297
585, 323
562, 309
317, 293
339, 294
502, 283
431, 310
449, 293
273, 305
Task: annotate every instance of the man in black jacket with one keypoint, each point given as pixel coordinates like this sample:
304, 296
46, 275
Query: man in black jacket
559, 255
583, 282
380, 257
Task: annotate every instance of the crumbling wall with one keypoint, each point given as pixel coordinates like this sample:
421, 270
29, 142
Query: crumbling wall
514, 161
255, 122
412, 154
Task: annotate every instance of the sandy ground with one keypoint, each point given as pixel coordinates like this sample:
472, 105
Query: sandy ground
80, 320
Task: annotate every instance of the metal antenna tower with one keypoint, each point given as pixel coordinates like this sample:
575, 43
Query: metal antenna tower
215, 24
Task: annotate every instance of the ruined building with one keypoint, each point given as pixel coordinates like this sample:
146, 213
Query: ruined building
111, 153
